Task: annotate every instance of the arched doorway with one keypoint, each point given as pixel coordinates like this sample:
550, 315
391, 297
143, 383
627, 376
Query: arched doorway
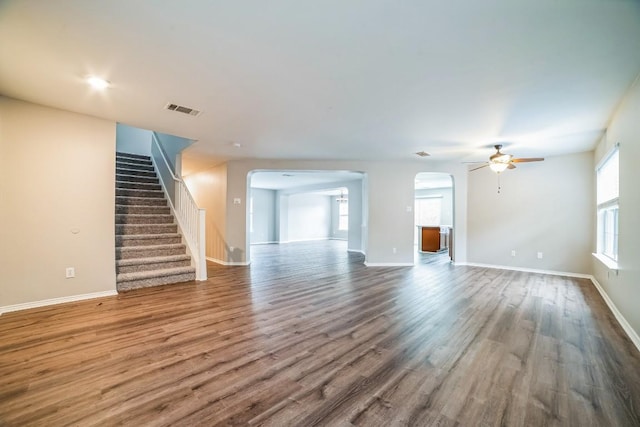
434, 216
287, 206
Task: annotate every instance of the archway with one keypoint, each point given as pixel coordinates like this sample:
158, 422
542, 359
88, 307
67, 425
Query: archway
434, 215
285, 206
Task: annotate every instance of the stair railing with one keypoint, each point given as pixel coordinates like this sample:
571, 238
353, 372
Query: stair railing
190, 218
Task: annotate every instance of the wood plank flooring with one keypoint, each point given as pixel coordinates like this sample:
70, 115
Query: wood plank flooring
308, 336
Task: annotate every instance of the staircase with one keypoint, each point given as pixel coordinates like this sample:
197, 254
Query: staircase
149, 250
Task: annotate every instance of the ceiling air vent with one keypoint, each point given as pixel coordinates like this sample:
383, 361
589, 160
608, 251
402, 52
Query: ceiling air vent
422, 154
182, 109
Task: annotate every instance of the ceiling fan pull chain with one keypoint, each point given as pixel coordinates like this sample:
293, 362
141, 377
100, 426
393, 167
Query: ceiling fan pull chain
498, 183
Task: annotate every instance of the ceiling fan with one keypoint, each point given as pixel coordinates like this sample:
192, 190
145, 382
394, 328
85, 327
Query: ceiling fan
499, 161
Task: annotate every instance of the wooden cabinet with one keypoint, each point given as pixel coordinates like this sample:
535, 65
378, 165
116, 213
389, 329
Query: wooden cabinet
429, 239
435, 239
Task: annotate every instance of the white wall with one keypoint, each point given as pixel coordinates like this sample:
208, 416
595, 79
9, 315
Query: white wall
264, 216
542, 207
357, 211
309, 217
624, 289
58, 203
173, 147
133, 140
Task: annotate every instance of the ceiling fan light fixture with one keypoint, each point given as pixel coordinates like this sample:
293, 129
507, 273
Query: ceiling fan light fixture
498, 167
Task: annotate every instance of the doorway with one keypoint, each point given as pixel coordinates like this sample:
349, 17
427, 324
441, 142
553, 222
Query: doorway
434, 217
291, 206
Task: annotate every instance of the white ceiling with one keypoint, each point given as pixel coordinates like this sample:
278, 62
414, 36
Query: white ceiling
333, 79
285, 180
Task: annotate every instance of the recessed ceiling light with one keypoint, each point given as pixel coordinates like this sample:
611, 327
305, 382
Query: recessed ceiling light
97, 82
237, 144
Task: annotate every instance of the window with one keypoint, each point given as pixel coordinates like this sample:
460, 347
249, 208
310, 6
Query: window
343, 215
607, 200
428, 210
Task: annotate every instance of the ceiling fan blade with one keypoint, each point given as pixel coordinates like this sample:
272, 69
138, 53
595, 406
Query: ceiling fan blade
479, 167
511, 166
530, 159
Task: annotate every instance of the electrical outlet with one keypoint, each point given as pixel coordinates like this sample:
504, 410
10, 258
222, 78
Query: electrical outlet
394, 250
513, 252
539, 255
70, 272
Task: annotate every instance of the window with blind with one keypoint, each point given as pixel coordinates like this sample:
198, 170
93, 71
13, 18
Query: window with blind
428, 210
607, 200
343, 215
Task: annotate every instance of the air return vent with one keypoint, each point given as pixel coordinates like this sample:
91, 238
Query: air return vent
182, 109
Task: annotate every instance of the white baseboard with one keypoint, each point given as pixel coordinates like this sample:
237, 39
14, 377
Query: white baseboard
388, 264
219, 261
633, 336
525, 270
358, 251
52, 301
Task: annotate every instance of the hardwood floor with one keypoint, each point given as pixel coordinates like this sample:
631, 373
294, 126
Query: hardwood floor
308, 336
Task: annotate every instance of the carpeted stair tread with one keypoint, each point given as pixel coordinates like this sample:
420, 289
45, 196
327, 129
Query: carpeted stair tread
152, 260
128, 218
136, 178
149, 237
142, 210
139, 248
130, 185
133, 164
137, 167
157, 281
126, 252
139, 275
133, 158
126, 171
132, 155
121, 192
140, 201
128, 229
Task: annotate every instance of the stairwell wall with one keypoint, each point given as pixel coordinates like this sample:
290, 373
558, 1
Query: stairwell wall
209, 190
57, 203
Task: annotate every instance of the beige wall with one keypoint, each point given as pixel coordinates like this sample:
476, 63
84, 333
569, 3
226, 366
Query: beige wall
542, 207
209, 190
624, 289
57, 203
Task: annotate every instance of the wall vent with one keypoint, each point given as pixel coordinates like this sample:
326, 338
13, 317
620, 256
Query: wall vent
182, 109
